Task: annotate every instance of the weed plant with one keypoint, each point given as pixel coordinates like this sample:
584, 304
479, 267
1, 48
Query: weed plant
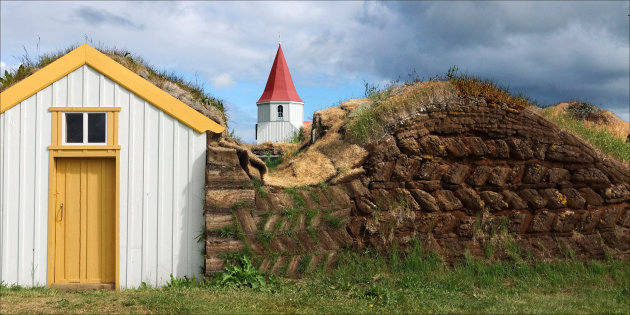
241, 275
298, 136
259, 188
297, 198
272, 164
333, 221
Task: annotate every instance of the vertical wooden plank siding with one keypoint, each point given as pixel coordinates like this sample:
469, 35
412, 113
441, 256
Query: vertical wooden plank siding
275, 131
135, 193
91, 86
296, 113
11, 203
40, 226
264, 112
27, 189
195, 207
60, 92
181, 200
150, 215
162, 164
121, 98
75, 88
3, 186
108, 92
165, 196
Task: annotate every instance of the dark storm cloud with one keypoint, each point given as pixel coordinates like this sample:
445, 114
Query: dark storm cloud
551, 51
99, 16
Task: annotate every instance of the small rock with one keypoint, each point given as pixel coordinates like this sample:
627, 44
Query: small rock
456, 174
425, 200
479, 176
493, 200
592, 198
534, 174
554, 198
533, 198
574, 199
499, 175
542, 221
470, 199
447, 200
455, 147
520, 149
514, 201
557, 176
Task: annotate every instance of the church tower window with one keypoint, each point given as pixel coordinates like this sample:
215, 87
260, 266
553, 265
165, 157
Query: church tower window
280, 112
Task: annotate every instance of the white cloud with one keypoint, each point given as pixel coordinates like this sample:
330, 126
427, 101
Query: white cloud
4, 66
548, 50
224, 80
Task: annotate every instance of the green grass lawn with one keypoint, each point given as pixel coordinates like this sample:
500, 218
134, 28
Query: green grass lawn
369, 283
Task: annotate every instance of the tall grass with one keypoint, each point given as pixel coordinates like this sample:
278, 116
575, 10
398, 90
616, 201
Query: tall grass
388, 107
130, 61
396, 103
491, 91
600, 138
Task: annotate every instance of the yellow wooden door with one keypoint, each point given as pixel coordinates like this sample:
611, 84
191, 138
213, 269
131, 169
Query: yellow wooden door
85, 220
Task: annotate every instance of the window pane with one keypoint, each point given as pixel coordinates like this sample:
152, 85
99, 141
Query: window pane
74, 128
96, 128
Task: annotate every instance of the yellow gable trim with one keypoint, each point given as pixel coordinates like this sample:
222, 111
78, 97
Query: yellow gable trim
42, 78
85, 54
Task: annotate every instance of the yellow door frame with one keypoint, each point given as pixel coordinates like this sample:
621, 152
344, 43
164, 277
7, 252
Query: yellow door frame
57, 149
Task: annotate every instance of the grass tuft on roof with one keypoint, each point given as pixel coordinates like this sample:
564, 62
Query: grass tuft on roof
190, 93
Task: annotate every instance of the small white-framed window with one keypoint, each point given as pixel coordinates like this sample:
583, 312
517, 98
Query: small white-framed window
84, 128
280, 112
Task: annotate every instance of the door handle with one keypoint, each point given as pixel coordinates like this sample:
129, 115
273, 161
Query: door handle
61, 210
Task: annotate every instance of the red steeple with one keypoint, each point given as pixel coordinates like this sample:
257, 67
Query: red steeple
279, 85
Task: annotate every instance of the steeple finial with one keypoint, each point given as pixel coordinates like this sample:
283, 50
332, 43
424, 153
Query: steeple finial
279, 39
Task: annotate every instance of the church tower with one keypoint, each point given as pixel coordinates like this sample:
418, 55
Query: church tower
280, 108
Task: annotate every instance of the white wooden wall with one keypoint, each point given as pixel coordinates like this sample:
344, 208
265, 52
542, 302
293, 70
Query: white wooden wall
264, 112
274, 130
162, 180
293, 112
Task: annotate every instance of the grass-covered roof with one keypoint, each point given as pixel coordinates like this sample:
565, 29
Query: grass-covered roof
189, 93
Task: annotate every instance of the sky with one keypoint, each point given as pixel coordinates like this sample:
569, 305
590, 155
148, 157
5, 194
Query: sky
549, 51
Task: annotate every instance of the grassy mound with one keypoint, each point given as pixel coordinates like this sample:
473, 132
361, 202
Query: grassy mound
601, 128
400, 102
358, 122
385, 108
